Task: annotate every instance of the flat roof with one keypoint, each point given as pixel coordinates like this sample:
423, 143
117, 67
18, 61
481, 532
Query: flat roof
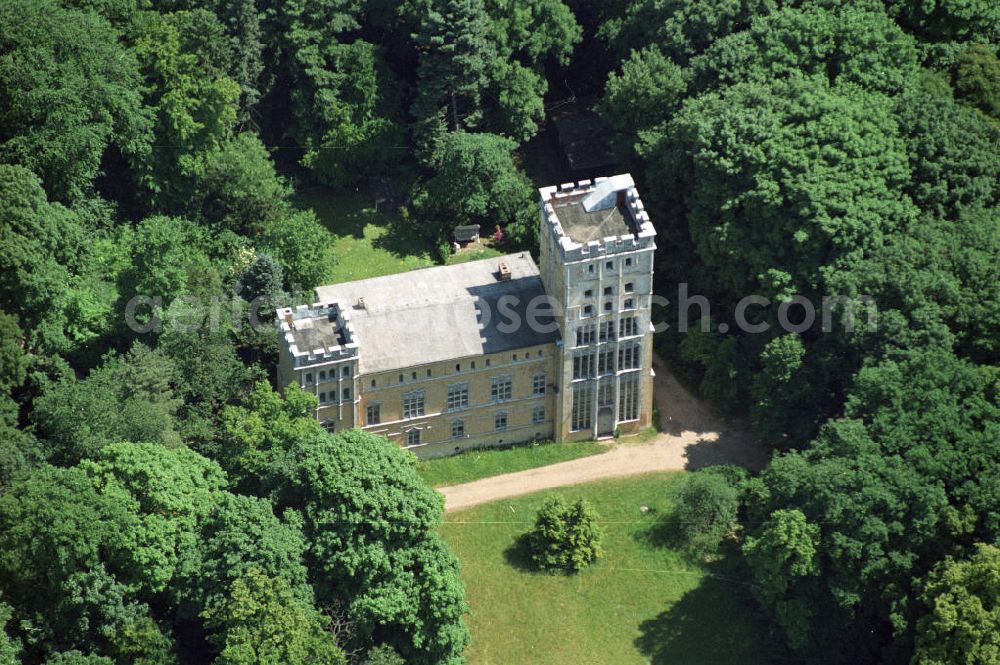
441, 313
582, 226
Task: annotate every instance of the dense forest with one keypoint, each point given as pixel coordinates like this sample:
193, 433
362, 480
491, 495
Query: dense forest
160, 503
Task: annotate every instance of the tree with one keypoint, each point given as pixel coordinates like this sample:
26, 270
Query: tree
456, 55
10, 648
300, 244
706, 511
565, 537
257, 437
129, 398
13, 360
369, 523
476, 182
962, 598
977, 79
195, 101
262, 622
62, 109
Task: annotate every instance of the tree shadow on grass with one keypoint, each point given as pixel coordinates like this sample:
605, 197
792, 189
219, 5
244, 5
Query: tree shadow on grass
518, 555
709, 624
402, 240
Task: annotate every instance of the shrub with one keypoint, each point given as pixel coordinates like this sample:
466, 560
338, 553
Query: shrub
565, 537
706, 511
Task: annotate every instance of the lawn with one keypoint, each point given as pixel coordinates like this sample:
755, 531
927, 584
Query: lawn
364, 242
641, 603
367, 240
476, 464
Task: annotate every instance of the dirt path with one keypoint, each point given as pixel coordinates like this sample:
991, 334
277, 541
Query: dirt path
691, 437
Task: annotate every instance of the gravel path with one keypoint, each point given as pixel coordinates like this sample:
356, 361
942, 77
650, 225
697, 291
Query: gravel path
690, 438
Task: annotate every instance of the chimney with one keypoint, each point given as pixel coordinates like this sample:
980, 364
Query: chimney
504, 270
361, 303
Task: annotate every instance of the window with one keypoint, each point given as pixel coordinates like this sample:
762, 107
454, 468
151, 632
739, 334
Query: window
322, 398
488, 363
590, 268
400, 378
607, 290
428, 372
538, 415
347, 394
322, 375
329, 425
606, 361
373, 414
587, 310
628, 261
589, 293
458, 396
457, 429
628, 356
501, 389
413, 404
585, 335
413, 437
606, 392
609, 266
309, 377
583, 365
473, 364
629, 287
500, 421
458, 367
413, 375
628, 327
515, 357
538, 384
347, 370
607, 331
581, 414
607, 307
629, 304
628, 397
373, 383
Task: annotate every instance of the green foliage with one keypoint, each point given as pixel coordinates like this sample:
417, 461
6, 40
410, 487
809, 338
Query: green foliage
13, 360
706, 511
257, 437
977, 79
298, 241
10, 648
383, 655
962, 598
129, 398
261, 621
565, 537
476, 183
369, 522
62, 108
195, 101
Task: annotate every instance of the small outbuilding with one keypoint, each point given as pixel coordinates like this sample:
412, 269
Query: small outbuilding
466, 234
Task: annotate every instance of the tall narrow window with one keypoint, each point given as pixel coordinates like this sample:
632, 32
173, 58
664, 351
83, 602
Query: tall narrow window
628, 327
457, 429
585, 334
500, 421
538, 384
583, 365
413, 404
538, 415
373, 414
606, 361
582, 408
628, 397
628, 356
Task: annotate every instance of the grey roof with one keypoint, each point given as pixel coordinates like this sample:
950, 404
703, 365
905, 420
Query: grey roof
431, 315
583, 226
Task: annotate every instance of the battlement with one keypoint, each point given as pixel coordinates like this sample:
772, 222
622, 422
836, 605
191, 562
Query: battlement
317, 333
592, 218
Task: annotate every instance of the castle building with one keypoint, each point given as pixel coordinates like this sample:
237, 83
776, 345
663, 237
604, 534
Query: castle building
495, 351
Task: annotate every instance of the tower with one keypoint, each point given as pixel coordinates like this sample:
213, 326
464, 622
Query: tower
596, 261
